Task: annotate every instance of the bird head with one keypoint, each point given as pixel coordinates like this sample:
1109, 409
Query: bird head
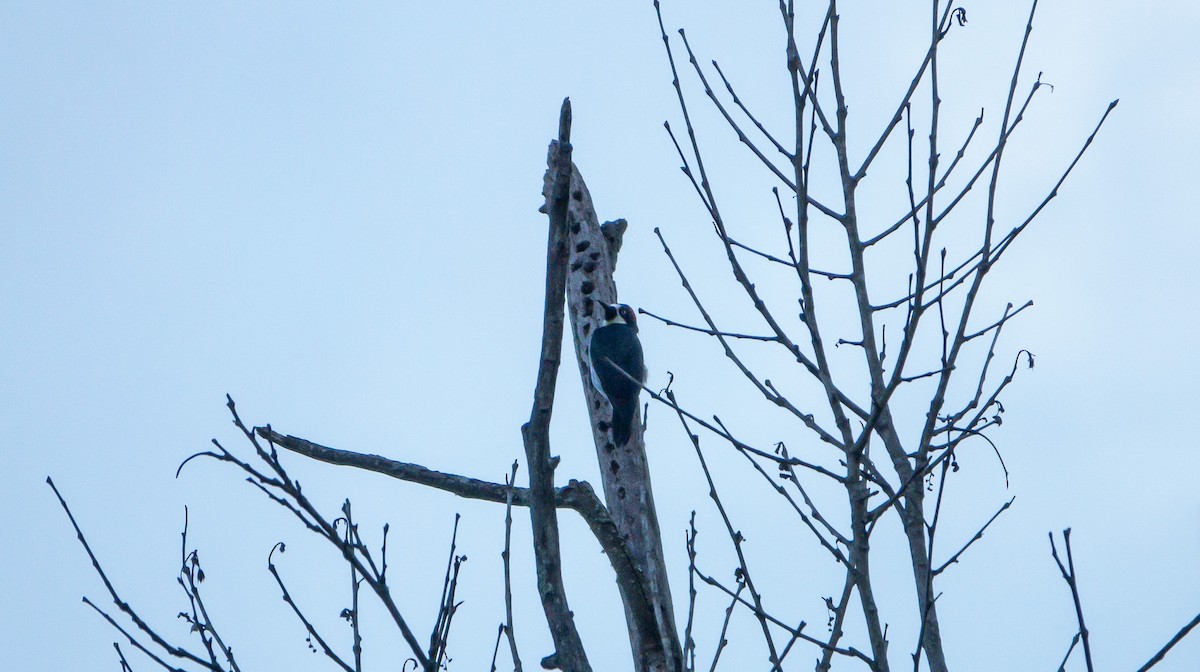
619, 313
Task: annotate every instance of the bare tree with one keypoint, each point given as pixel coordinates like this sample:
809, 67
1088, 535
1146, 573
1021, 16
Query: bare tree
862, 441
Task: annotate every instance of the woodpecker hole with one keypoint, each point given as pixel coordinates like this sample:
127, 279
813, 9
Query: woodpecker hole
576, 265
593, 256
614, 467
589, 266
621, 492
602, 425
577, 195
575, 228
586, 329
582, 245
587, 287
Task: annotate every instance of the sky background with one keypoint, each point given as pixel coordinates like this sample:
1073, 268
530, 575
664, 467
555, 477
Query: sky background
330, 213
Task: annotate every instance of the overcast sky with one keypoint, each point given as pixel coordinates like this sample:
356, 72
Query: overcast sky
328, 211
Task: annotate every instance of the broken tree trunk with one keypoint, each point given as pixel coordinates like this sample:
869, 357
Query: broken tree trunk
627, 492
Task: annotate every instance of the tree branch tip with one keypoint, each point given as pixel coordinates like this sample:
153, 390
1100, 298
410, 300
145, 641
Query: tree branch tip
179, 470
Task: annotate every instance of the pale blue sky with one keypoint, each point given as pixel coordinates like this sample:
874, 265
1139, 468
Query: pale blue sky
329, 212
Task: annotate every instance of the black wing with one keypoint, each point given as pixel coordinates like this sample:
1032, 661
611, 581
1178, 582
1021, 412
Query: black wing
620, 345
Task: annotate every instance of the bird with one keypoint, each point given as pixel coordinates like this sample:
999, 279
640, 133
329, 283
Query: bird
618, 370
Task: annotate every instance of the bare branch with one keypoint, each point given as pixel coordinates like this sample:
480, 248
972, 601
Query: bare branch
161, 643
669, 400
770, 257
689, 644
569, 652
787, 472
710, 332
766, 392
496, 647
462, 486
1062, 667
446, 606
836, 620
313, 635
850, 652
125, 667
930, 55
138, 645
352, 550
729, 119
507, 627
721, 641
738, 101
978, 535
915, 207
736, 537
1183, 632
739, 273
1068, 574
1000, 322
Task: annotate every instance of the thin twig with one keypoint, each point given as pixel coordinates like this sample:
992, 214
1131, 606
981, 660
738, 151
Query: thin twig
507, 627
791, 630
978, 535
689, 644
721, 641
1062, 667
161, 643
295, 501
313, 635
125, 666
836, 620
496, 648
1167, 647
735, 536
1068, 574
710, 332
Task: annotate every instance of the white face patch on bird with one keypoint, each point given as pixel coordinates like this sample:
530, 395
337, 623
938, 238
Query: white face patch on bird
619, 313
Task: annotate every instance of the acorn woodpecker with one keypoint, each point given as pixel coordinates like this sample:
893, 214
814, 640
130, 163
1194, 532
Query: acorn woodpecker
615, 346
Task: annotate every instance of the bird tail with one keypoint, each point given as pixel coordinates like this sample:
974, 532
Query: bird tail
622, 422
